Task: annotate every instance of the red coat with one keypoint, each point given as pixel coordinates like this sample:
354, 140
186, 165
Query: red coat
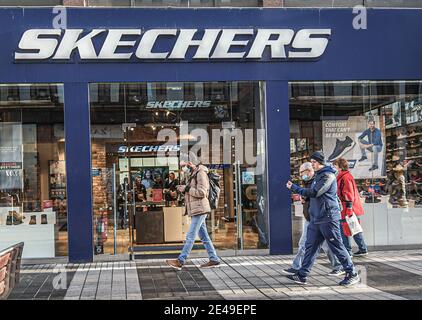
348, 191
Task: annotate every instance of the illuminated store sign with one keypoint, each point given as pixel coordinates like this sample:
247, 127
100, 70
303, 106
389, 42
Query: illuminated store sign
148, 149
177, 104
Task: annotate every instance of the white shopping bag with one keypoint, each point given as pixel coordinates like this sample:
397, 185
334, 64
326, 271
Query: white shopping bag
354, 224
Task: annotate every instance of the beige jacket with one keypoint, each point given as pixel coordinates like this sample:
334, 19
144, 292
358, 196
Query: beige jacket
196, 199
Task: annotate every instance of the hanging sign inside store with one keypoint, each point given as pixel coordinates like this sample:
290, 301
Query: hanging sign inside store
177, 104
148, 149
171, 44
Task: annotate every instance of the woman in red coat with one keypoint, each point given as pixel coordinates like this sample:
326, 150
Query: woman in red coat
350, 200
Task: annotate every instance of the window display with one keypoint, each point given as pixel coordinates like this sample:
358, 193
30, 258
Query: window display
379, 136
32, 170
359, 139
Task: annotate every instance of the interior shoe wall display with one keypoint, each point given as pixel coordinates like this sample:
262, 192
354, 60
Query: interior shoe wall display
392, 113
359, 139
413, 111
292, 146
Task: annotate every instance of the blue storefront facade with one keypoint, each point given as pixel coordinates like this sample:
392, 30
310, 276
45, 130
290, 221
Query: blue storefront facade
388, 49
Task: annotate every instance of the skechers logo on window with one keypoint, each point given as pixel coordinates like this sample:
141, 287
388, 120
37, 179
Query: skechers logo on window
172, 44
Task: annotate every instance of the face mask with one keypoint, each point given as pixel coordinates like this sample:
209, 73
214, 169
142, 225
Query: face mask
305, 177
185, 169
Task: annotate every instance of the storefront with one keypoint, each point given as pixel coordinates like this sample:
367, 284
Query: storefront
94, 116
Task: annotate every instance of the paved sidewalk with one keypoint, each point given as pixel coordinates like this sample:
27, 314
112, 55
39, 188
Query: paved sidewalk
394, 275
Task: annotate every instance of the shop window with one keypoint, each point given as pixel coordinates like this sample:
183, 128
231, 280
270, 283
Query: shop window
33, 205
136, 207
376, 126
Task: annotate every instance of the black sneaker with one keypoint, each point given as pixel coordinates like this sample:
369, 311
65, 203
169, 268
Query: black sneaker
363, 158
350, 279
290, 271
360, 253
341, 148
374, 167
337, 273
297, 279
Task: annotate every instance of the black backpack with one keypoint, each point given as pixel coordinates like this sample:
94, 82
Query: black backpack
214, 192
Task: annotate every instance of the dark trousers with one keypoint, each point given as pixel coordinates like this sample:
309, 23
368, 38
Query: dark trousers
330, 232
360, 241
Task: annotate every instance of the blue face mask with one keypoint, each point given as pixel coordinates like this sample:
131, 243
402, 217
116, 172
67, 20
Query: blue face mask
305, 177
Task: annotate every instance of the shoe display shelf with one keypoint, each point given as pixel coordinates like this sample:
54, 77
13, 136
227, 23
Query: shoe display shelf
39, 238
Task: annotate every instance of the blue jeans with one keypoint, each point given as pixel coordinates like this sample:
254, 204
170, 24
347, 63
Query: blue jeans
330, 232
360, 241
375, 150
198, 227
297, 261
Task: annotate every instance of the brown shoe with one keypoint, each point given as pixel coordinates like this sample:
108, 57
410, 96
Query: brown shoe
210, 264
175, 264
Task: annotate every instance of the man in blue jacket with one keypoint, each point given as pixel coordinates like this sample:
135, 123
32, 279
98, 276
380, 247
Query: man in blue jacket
372, 144
325, 221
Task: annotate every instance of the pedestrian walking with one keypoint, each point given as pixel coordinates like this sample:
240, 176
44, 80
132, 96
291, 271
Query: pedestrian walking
307, 174
325, 222
197, 207
348, 194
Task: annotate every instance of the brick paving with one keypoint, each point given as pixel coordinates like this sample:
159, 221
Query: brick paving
391, 275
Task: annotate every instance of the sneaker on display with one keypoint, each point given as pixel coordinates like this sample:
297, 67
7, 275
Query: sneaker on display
33, 220
341, 148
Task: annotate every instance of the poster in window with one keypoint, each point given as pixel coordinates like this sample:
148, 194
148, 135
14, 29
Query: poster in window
11, 156
358, 139
413, 111
57, 171
302, 144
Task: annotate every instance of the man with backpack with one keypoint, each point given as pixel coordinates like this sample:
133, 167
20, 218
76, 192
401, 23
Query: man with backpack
197, 206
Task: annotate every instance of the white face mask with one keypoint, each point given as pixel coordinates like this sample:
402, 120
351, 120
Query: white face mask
185, 169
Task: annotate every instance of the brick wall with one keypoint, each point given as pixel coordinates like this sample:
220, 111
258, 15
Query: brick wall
73, 3
99, 184
273, 3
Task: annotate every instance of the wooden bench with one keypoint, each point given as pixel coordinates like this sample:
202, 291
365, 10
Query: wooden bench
10, 263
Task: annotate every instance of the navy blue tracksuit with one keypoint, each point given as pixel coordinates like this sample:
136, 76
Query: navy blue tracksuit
325, 220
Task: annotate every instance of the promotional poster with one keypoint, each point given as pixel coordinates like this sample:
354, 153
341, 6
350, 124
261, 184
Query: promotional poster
358, 139
11, 156
57, 179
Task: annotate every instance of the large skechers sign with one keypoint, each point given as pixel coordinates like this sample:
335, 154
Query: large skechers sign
171, 44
